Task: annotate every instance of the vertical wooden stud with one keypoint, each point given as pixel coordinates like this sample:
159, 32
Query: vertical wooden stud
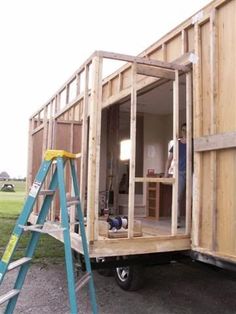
184, 42
67, 94
197, 132
78, 83
133, 149
30, 155
189, 152
175, 186
120, 82
45, 129
213, 97
164, 52
94, 150
83, 164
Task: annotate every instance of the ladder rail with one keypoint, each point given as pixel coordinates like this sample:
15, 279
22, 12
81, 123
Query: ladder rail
57, 182
23, 218
66, 236
83, 237
32, 244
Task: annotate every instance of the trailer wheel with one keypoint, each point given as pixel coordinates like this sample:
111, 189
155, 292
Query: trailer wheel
130, 278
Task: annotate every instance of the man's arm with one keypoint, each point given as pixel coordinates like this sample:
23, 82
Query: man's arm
168, 163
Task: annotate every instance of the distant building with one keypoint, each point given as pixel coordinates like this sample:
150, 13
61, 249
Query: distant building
4, 176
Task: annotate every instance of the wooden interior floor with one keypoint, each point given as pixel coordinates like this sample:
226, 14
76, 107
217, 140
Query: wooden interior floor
153, 227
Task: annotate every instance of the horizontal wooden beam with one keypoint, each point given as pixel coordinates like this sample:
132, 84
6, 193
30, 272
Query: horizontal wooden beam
74, 122
37, 129
155, 72
186, 59
147, 61
155, 180
77, 99
215, 142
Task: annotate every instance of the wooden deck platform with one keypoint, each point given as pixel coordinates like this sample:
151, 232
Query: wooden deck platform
156, 237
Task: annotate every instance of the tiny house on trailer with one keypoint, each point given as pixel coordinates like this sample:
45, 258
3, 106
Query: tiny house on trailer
188, 76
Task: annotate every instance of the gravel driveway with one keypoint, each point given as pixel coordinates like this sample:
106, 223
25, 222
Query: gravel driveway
173, 288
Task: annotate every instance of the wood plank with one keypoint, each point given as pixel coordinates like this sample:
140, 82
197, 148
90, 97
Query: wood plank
214, 97
197, 129
84, 152
164, 52
184, 41
94, 150
140, 60
155, 72
67, 94
175, 205
149, 179
45, 130
118, 247
133, 117
37, 129
50, 127
138, 245
215, 142
226, 122
189, 152
146, 82
29, 179
78, 83
222, 256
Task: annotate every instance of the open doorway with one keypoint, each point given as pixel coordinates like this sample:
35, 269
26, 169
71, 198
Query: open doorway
157, 108
155, 120
115, 159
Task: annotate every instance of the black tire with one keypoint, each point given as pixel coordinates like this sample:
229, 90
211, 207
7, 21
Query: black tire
130, 278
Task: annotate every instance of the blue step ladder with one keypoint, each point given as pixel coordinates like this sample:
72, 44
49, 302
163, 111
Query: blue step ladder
59, 158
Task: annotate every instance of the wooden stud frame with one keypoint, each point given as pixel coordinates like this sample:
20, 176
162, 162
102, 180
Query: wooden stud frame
185, 39
189, 152
84, 153
213, 93
94, 150
175, 205
133, 116
197, 130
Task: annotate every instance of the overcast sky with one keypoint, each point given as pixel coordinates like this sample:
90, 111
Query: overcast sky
44, 41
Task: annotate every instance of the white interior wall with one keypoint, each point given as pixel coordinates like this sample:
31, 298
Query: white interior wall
168, 131
158, 131
153, 143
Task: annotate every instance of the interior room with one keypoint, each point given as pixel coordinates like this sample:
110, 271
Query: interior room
154, 133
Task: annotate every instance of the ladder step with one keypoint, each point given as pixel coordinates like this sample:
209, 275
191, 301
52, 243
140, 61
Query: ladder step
39, 228
82, 281
9, 295
46, 192
71, 203
18, 263
74, 223
32, 228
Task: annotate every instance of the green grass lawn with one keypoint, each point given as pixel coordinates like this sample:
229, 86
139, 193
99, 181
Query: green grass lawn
11, 204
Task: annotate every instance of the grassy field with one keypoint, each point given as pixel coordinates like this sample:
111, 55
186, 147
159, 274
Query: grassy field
11, 204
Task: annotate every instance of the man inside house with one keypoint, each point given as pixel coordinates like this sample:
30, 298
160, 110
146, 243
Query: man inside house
181, 169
